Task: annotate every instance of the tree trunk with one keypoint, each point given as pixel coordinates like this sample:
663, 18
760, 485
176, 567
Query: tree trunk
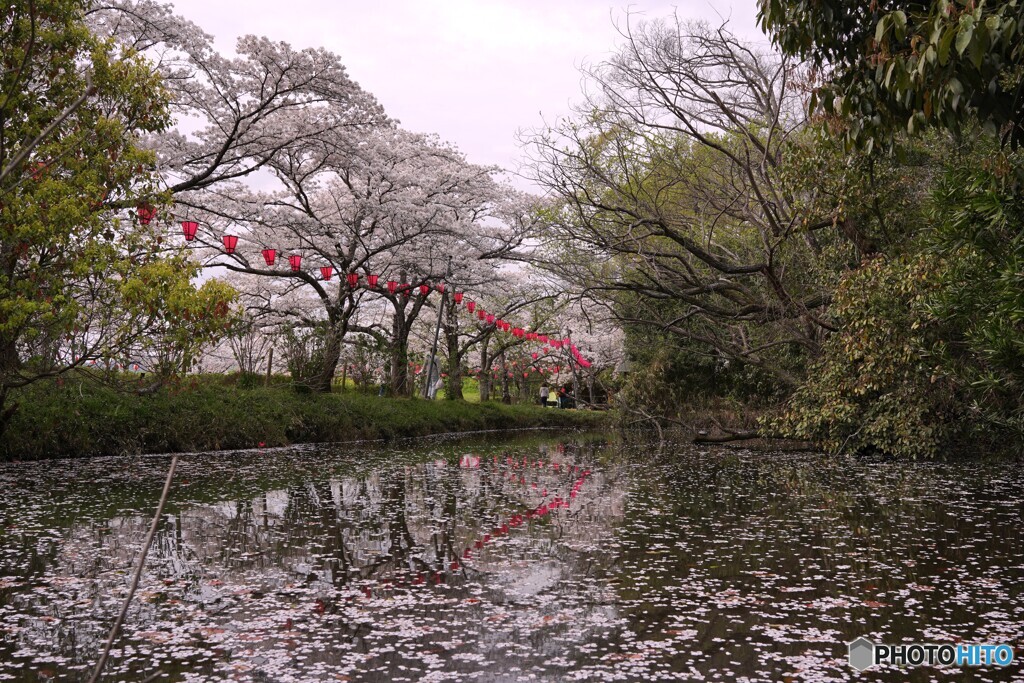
332, 354
485, 373
400, 384
506, 397
453, 385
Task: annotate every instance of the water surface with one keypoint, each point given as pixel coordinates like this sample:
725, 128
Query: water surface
535, 558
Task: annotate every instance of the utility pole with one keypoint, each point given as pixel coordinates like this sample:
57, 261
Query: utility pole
572, 366
437, 333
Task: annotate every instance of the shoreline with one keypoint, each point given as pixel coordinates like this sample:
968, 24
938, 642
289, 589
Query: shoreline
82, 419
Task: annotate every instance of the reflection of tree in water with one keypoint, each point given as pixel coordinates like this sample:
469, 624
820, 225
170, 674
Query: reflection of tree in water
729, 562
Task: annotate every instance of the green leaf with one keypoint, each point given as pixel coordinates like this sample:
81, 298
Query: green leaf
945, 42
881, 27
900, 20
888, 73
977, 53
963, 37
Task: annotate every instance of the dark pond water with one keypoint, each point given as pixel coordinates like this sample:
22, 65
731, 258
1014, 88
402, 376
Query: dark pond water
536, 558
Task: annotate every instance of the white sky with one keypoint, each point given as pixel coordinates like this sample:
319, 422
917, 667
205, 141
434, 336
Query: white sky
472, 71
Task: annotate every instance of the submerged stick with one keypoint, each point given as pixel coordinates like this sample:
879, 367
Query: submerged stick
138, 573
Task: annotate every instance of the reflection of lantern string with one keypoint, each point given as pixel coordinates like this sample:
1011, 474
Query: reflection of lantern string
515, 521
541, 510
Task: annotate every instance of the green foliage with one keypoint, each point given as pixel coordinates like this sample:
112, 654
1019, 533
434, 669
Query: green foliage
895, 67
305, 352
79, 278
669, 375
979, 215
877, 385
77, 418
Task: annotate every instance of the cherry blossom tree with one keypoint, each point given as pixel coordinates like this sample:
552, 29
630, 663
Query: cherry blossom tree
281, 149
386, 203
233, 116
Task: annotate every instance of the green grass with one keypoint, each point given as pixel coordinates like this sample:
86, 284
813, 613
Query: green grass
82, 418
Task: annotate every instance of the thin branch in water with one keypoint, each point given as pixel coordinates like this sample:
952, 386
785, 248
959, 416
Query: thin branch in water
138, 573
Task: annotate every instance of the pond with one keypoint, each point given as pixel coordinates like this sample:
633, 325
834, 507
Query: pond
530, 558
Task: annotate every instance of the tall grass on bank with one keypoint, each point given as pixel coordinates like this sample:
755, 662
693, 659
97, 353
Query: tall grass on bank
82, 418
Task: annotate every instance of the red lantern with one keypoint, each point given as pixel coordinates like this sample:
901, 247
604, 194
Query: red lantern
230, 242
269, 255
526, 374
490, 318
424, 290
372, 280
458, 297
534, 355
481, 314
326, 272
470, 305
146, 213
353, 280
440, 287
543, 338
295, 261
392, 286
188, 228
407, 290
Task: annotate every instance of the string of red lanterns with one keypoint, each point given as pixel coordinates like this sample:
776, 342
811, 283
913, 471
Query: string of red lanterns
189, 229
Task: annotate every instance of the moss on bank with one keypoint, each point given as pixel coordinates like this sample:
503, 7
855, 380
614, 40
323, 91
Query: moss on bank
81, 419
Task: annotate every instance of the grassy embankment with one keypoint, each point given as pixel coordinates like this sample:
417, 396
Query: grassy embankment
81, 418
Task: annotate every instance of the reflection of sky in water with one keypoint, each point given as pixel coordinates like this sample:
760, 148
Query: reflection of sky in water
528, 559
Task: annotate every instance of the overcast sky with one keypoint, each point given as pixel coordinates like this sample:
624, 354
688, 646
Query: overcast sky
472, 71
